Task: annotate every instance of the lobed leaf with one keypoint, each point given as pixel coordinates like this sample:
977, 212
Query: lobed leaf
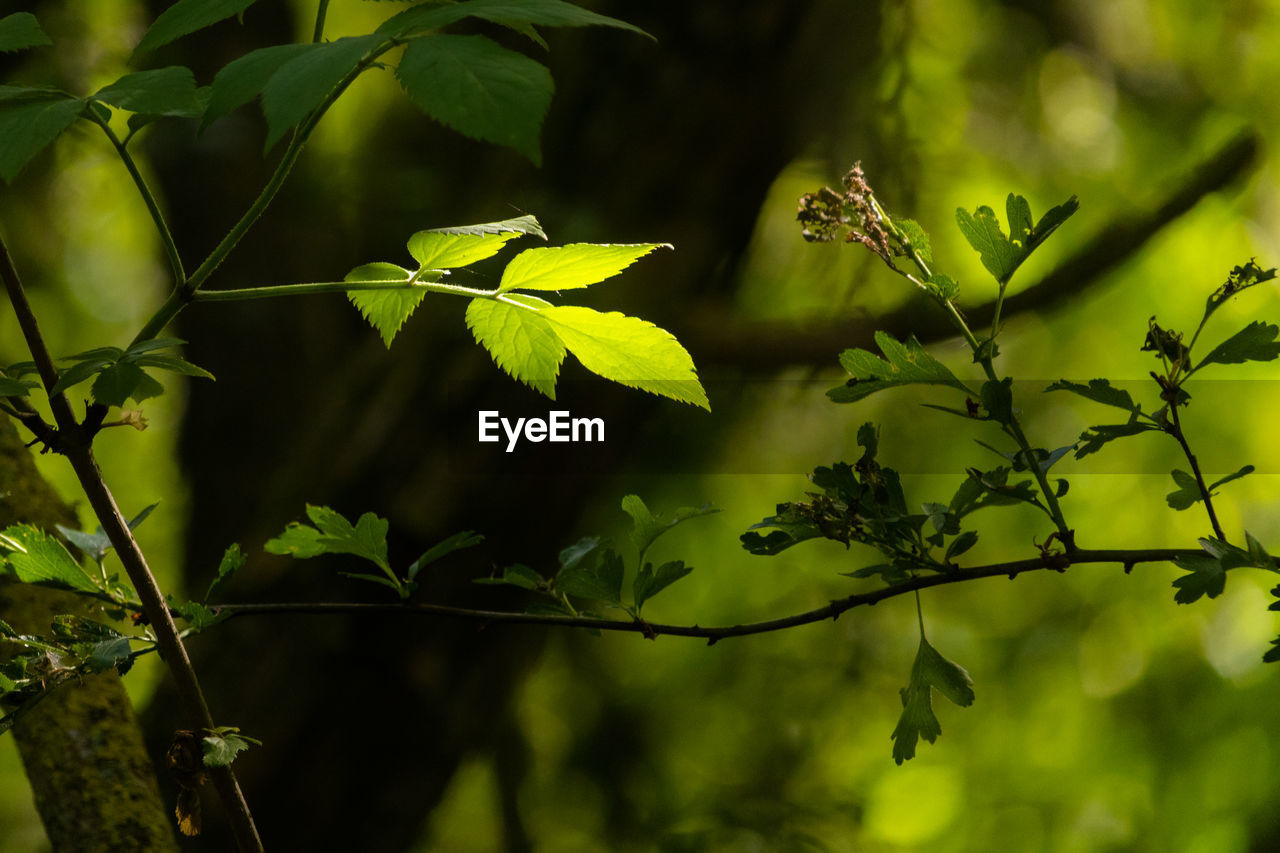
1255, 342
930, 671
650, 581
1099, 391
903, 364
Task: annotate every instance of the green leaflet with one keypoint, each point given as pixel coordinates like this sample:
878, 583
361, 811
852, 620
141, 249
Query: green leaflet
520, 340
903, 364
571, 266
38, 558
162, 91
29, 122
386, 310
1003, 255
120, 374
650, 581
20, 31
440, 249
515, 14
1099, 391
929, 672
479, 89
242, 80
223, 744
187, 16
629, 351
648, 527
300, 85
1255, 342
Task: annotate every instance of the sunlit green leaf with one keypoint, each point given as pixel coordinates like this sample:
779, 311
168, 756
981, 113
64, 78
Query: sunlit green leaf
386, 310
571, 266
629, 351
519, 338
38, 558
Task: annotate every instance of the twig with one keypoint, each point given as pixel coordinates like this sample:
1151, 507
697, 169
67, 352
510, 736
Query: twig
75, 442
1176, 431
1011, 569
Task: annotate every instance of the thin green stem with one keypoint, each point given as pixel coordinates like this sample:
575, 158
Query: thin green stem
320, 13
183, 294
919, 613
153, 208
995, 316
312, 288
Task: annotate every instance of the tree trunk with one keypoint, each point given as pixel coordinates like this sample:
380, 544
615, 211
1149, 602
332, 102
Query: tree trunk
94, 786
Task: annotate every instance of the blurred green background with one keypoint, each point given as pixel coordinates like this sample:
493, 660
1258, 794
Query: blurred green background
1107, 717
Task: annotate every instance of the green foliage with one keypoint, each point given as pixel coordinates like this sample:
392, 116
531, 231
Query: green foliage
97, 545
902, 364
931, 671
572, 266
120, 374
1255, 342
31, 119
222, 745
299, 85
185, 17
162, 91
1003, 255
35, 557
519, 338
20, 31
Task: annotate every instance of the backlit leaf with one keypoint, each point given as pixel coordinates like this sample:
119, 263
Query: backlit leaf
519, 338
574, 265
386, 310
903, 364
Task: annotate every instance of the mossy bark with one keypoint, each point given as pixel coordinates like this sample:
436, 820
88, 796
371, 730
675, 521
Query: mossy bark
93, 783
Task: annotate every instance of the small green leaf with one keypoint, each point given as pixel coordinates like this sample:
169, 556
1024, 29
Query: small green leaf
29, 124
509, 13
930, 671
298, 540
233, 559
1246, 470
184, 17
1095, 437
903, 364
15, 387
518, 575
629, 351
120, 381
1188, 491
1100, 391
108, 654
997, 399
918, 239
480, 89
198, 616
982, 230
1206, 575
456, 542
526, 224
223, 745
160, 91
1258, 553
20, 31
68, 626
1255, 342
367, 538
961, 544
38, 558
519, 338
386, 310
648, 527
597, 580
171, 363
449, 248
79, 372
571, 266
944, 285
650, 581
303, 82
241, 81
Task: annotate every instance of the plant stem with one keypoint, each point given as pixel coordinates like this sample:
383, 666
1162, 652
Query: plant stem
76, 443
166, 238
1195, 470
1011, 569
320, 13
311, 288
184, 293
